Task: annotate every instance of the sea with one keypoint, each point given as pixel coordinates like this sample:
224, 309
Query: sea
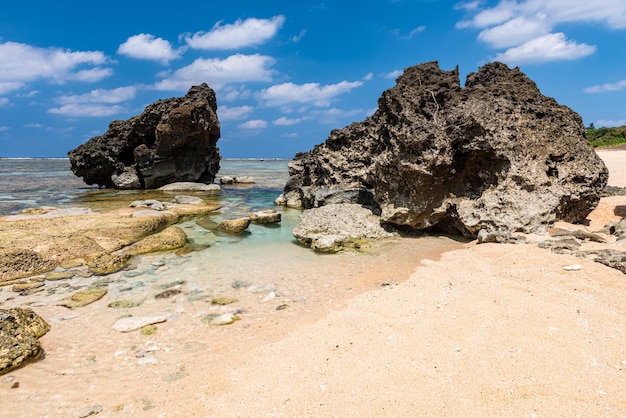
266, 260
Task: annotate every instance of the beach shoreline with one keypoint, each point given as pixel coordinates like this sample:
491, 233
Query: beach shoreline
482, 330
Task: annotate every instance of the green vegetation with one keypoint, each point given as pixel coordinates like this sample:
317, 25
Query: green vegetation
606, 137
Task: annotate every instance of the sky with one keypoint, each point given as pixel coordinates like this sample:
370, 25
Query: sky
285, 72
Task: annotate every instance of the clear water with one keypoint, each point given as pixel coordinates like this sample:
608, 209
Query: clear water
264, 262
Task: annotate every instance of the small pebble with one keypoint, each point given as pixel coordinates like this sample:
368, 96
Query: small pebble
573, 267
282, 307
270, 296
146, 360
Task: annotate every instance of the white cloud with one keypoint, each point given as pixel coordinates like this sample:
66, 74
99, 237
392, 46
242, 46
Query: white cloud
415, 31
620, 85
515, 32
609, 123
86, 110
312, 93
393, 74
9, 86
546, 48
298, 37
21, 63
117, 95
230, 94
34, 125
368, 76
146, 46
4, 101
284, 121
240, 34
233, 113
254, 124
335, 116
527, 27
216, 72
4, 128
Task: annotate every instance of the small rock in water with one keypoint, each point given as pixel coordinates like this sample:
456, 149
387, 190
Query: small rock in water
224, 301
188, 200
84, 297
218, 320
123, 304
132, 323
144, 361
168, 293
573, 267
91, 411
59, 275
239, 283
270, 296
172, 284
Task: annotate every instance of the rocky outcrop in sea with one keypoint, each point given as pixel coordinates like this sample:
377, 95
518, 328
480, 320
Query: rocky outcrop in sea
173, 140
495, 154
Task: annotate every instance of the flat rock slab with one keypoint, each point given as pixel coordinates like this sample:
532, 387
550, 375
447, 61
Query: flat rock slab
84, 297
133, 323
190, 186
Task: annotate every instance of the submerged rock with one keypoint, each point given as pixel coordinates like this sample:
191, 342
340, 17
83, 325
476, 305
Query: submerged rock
20, 330
234, 226
493, 155
84, 297
132, 323
268, 216
334, 227
172, 140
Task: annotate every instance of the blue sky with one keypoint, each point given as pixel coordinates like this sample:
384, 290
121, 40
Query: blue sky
285, 72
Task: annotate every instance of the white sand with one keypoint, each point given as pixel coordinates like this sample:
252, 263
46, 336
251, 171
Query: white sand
488, 330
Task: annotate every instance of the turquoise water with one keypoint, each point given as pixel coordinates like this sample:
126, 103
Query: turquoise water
26, 183
264, 268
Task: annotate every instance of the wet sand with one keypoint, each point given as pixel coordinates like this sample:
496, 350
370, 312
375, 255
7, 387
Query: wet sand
484, 330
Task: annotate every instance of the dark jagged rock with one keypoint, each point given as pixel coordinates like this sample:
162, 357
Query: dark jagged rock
20, 330
494, 155
173, 140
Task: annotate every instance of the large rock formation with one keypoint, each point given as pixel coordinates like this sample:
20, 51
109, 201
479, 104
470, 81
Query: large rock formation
172, 140
495, 155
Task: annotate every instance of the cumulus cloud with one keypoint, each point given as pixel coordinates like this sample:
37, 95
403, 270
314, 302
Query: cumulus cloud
515, 32
120, 94
242, 33
86, 110
233, 113
620, 85
393, 74
99, 102
21, 63
312, 93
546, 48
254, 124
602, 123
284, 121
335, 116
146, 46
528, 26
217, 72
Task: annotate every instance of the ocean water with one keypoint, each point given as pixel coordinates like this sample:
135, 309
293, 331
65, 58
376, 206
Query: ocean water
265, 267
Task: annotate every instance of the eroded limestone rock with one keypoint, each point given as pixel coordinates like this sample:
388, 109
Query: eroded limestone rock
493, 155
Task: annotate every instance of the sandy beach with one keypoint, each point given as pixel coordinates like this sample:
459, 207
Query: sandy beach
484, 330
